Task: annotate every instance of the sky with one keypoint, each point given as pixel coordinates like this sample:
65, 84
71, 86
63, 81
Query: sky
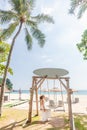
59, 51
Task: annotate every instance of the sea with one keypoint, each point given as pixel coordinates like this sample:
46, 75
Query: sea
79, 92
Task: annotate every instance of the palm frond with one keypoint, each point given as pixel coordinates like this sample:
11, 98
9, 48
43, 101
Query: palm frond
18, 5
31, 4
43, 18
28, 39
15, 5
2, 68
31, 23
74, 5
82, 9
81, 5
82, 46
37, 34
6, 16
21, 6
9, 31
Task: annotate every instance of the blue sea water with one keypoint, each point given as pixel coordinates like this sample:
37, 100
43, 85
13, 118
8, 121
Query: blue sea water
79, 92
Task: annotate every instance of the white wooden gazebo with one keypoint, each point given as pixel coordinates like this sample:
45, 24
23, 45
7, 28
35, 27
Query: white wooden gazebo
37, 80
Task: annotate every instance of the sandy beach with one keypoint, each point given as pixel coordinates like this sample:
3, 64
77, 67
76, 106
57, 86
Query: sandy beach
57, 117
80, 107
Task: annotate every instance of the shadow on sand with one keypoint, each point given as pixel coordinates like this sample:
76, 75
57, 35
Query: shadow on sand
53, 123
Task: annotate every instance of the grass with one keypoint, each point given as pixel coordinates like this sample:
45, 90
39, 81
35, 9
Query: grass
81, 122
15, 103
11, 115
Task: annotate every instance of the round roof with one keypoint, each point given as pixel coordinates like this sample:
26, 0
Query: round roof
50, 72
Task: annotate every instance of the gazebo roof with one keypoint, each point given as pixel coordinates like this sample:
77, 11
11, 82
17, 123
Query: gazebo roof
50, 72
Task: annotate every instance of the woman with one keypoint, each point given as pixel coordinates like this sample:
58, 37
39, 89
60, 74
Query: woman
45, 112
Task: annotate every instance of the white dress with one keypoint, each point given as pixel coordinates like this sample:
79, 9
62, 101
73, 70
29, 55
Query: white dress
44, 114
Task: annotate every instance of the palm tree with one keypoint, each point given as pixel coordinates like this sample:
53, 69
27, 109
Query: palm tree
18, 17
80, 6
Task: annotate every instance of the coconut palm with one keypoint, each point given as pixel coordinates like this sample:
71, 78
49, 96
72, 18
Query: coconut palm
20, 16
80, 6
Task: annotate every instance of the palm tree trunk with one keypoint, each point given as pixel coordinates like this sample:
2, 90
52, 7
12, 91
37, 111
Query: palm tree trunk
6, 69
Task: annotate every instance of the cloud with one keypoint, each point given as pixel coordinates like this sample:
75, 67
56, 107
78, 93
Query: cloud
47, 10
49, 60
4, 5
46, 58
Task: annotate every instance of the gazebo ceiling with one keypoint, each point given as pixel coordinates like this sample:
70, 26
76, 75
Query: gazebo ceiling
50, 72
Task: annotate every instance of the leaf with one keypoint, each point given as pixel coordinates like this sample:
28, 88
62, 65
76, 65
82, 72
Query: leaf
6, 33
79, 6
37, 34
43, 18
28, 39
2, 68
82, 46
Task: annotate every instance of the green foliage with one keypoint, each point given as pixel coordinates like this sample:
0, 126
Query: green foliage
38, 35
2, 68
82, 46
80, 5
3, 57
6, 48
28, 39
78, 124
6, 33
8, 83
2, 49
42, 18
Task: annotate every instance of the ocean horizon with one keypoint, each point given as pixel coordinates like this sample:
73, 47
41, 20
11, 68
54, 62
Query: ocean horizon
78, 92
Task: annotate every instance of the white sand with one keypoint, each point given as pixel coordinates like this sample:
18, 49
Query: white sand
15, 96
80, 107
